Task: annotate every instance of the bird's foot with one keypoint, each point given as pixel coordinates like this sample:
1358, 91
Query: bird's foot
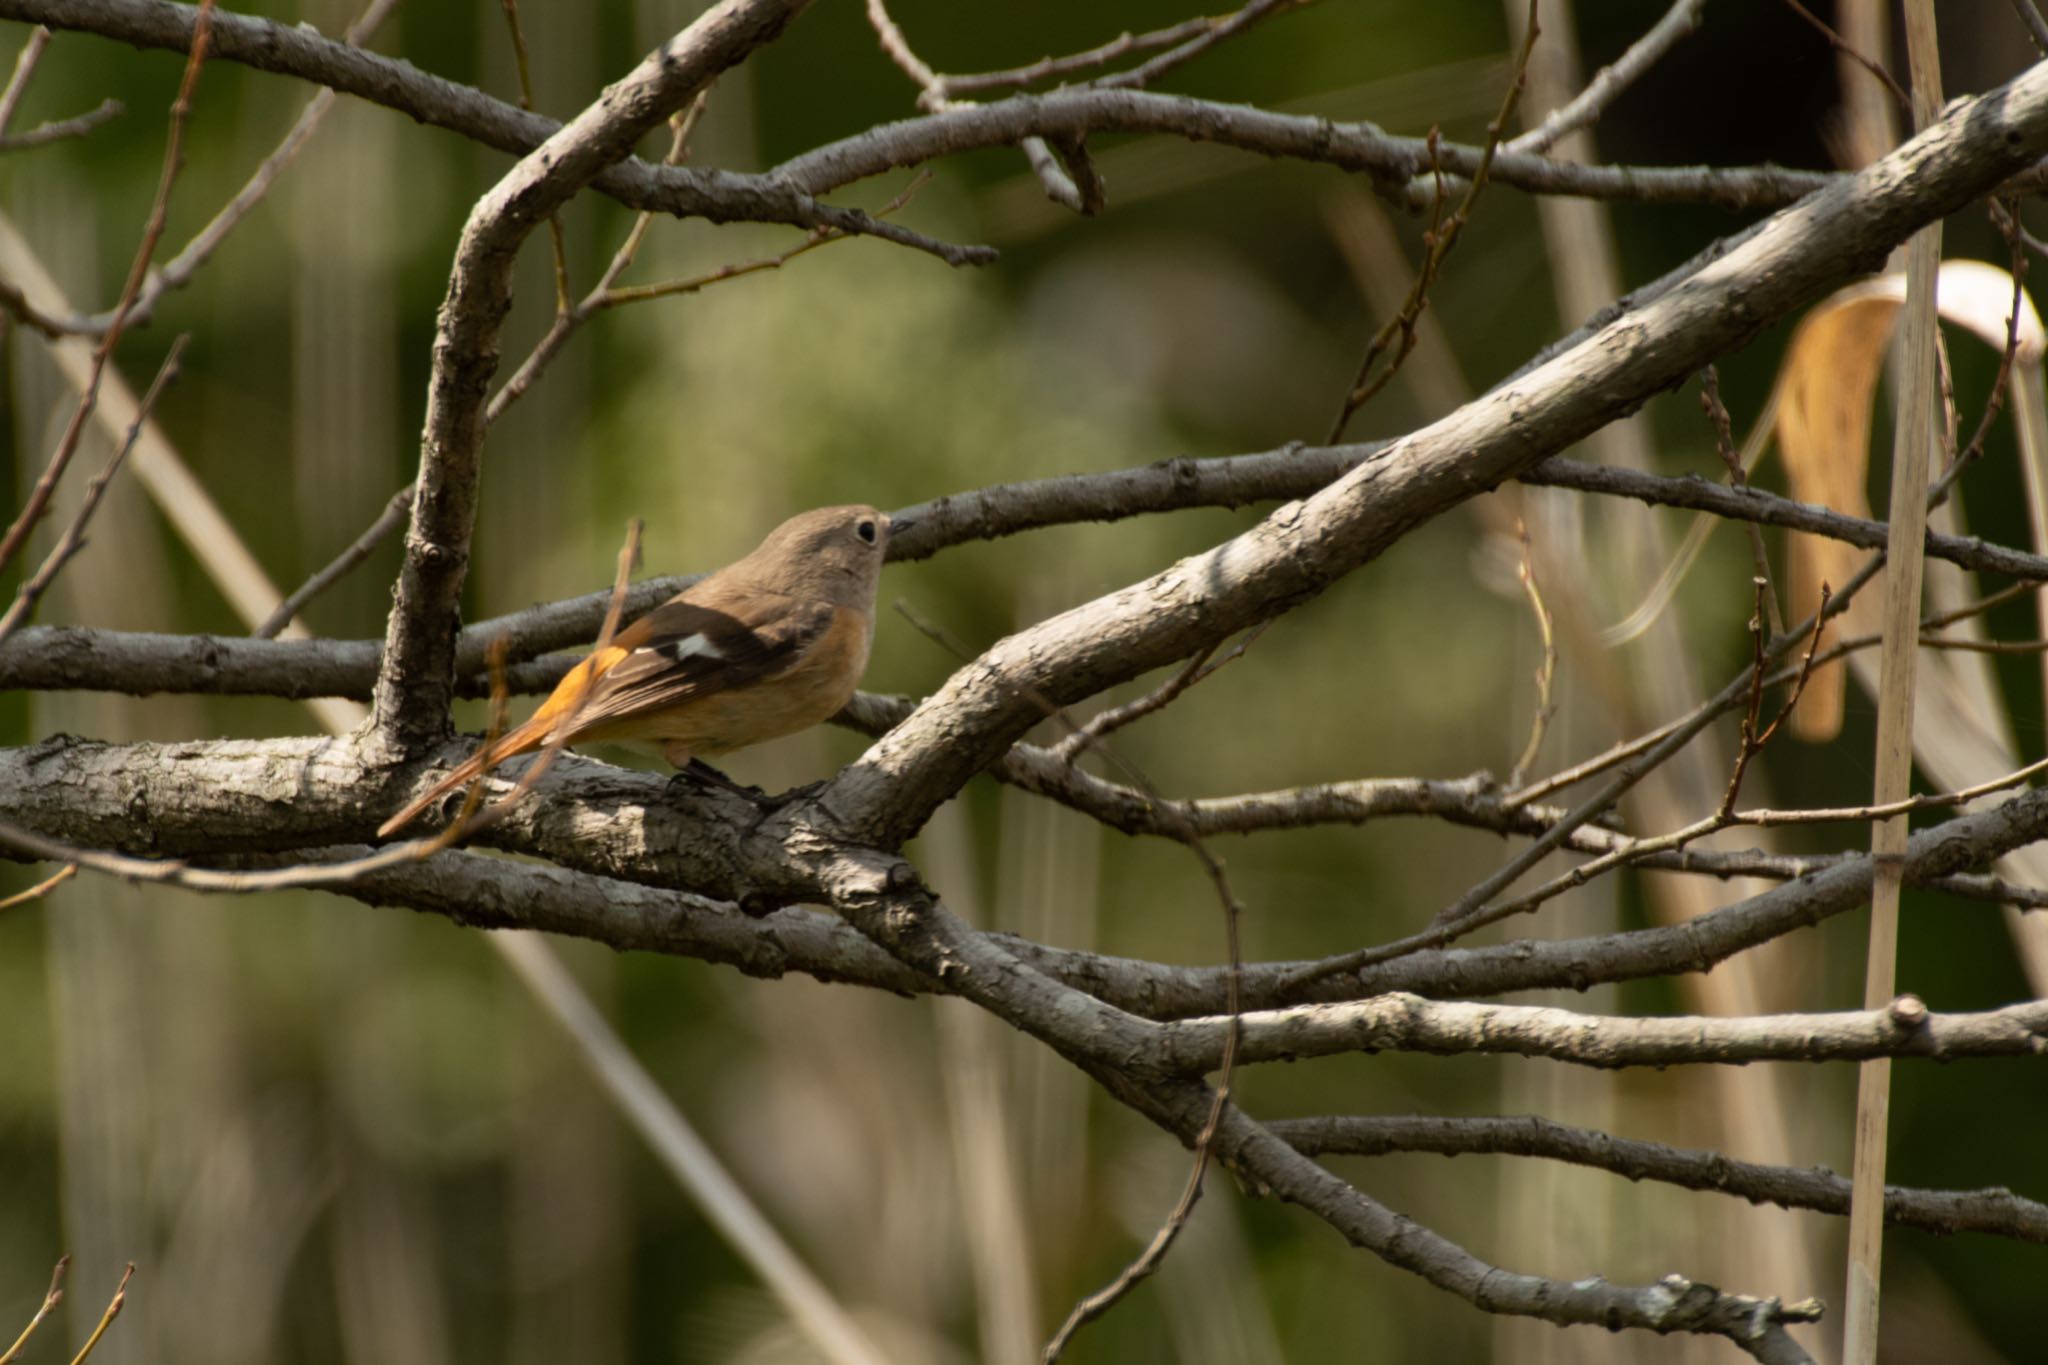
790, 797
700, 775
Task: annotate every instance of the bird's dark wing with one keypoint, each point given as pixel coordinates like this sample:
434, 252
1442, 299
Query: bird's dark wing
683, 649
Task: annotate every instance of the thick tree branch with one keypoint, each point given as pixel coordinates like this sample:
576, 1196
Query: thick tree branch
1400, 1022
220, 800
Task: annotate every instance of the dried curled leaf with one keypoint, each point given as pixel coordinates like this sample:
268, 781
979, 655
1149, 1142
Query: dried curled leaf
1825, 389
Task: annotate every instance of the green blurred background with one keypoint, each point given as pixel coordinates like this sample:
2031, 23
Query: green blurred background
331, 1133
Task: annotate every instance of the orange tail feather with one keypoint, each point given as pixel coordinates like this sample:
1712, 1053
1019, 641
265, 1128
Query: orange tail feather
518, 742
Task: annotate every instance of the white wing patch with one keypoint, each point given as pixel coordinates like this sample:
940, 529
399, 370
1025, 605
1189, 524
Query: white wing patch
697, 644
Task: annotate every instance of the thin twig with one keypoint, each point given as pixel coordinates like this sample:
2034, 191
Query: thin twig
1749, 744
1546, 667
1469, 911
1610, 81
178, 872
607, 296
107, 1318
898, 49
73, 540
681, 125
1049, 68
57, 130
1835, 41
1438, 242
555, 237
1984, 646
473, 798
1996, 1212
932, 97
1620, 753
2005, 216
2010, 592
53, 1296
179, 271
396, 510
1115, 718
152, 232
640, 293
1792, 697
24, 67
2037, 27
1738, 477
37, 892
1138, 77
1627, 854
1102, 1300
1183, 832
1752, 742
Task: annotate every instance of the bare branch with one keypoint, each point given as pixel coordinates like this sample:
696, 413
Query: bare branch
1400, 1022
1149, 1260
888, 794
1835, 41
1399, 331
787, 194
51, 1298
1213, 32
290, 50
113, 1310
1117, 717
1610, 81
555, 238
1692, 946
152, 232
568, 319
1050, 68
1751, 504
17, 84
224, 800
1390, 161
35, 893
1546, 666
57, 130
73, 539
1997, 1212
390, 519
2037, 27
1673, 1304
416, 674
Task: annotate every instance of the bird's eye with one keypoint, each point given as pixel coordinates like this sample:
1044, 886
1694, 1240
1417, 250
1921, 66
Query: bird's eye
866, 531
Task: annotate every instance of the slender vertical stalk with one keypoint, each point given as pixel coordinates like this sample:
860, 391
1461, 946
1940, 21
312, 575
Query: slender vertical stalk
1894, 761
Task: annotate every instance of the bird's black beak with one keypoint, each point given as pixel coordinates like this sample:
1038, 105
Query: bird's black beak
898, 525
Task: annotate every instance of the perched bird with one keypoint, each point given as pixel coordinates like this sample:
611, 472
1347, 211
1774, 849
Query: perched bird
766, 646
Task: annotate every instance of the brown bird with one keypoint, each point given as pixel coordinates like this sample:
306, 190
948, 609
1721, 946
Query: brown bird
766, 646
